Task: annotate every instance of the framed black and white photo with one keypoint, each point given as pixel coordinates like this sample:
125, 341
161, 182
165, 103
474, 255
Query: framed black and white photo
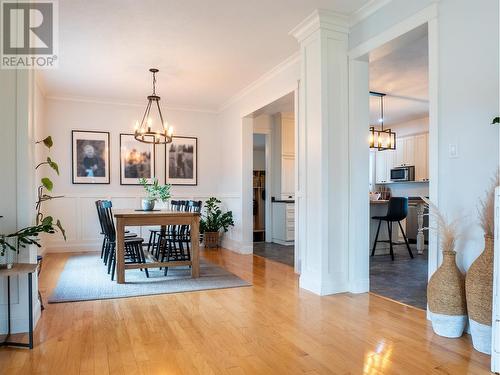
137, 160
181, 164
90, 157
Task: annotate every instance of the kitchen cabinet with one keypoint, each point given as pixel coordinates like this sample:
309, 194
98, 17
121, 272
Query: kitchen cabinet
287, 155
284, 222
287, 175
405, 151
384, 162
410, 151
422, 157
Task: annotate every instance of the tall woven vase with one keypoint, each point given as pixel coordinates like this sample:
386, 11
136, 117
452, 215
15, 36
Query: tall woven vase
479, 290
446, 298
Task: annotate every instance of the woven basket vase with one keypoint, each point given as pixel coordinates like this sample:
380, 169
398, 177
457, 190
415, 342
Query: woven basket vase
446, 298
211, 239
479, 291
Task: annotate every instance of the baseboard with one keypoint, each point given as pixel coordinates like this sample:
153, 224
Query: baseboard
237, 246
359, 286
73, 247
313, 284
284, 243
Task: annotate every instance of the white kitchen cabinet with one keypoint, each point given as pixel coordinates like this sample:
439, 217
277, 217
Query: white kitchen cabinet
287, 155
384, 162
287, 175
405, 151
422, 157
283, 223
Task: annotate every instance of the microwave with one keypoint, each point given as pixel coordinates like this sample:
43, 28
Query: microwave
403, 173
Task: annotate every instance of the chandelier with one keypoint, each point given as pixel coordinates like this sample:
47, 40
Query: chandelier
149, 130
381, 139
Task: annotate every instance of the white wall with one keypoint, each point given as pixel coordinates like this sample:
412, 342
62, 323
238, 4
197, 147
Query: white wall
77, 210
467, 101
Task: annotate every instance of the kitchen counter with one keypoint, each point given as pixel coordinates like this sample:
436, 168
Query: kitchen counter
283, 201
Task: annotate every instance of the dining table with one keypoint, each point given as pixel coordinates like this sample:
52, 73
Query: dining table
163, 218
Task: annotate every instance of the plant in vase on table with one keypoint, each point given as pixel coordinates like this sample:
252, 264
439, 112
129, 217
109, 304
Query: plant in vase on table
214, 222
11, 243
155, 192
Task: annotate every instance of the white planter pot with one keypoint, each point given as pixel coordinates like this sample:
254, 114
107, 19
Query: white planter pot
451, 326
481, 336
148, 205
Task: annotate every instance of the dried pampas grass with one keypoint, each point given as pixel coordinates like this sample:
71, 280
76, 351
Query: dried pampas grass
486, 208
447, 230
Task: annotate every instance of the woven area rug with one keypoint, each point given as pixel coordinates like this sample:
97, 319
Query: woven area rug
85, 278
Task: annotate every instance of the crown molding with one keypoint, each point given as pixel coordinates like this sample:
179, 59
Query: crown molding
320, 18
366, 11
295, 58
107, 101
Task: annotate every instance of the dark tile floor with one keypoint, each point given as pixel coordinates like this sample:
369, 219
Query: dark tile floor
274, 251
403, 280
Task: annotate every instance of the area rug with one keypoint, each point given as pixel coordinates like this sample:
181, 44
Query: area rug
85, 278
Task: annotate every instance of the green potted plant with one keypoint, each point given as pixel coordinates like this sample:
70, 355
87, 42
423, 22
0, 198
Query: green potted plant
10, 243
214, 222
155, 192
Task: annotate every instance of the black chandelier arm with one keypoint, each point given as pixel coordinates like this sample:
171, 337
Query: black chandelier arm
146, 113
161, 116
154, 83
382, 112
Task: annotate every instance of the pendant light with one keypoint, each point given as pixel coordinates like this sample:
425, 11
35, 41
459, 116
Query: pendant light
150, 129
381, 139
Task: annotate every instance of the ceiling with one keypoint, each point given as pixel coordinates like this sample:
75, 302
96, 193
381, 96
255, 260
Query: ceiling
400, 70
206, 51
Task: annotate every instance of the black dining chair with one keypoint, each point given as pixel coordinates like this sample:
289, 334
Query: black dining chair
133, 245
396, 212
105, 241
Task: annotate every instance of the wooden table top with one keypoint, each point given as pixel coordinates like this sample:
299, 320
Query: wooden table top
19, 269
130, 213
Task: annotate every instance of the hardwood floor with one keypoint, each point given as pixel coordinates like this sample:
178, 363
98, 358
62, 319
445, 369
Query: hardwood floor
270, 328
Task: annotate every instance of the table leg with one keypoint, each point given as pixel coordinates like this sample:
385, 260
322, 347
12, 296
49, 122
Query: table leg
30, 304
420, 231
120, 251
195, 247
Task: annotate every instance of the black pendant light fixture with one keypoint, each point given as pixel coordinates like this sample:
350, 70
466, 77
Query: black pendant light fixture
381, 139
150, 129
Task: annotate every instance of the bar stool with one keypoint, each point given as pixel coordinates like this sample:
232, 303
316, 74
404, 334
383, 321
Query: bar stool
397, 211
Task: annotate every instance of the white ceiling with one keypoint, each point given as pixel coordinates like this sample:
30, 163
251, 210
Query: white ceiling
206, 51
284, 104
400, 70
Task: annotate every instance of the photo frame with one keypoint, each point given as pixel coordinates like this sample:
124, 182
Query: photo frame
137, 160
181, 161
90, 157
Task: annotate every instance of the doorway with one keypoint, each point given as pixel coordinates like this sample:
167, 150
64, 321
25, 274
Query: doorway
399, 167
359, 86
273, 181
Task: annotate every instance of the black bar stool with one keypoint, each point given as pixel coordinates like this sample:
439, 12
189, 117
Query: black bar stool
397, 211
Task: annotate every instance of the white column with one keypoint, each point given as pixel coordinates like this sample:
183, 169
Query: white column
323, 167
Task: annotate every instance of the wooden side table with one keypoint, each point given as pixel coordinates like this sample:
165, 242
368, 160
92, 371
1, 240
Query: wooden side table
20, 269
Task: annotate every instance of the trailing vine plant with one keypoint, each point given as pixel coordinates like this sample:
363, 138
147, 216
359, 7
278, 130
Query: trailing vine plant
43, 224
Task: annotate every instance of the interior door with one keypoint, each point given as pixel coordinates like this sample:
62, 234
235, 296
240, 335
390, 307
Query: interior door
495, 336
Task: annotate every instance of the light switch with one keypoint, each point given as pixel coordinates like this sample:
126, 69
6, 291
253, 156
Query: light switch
453, 151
